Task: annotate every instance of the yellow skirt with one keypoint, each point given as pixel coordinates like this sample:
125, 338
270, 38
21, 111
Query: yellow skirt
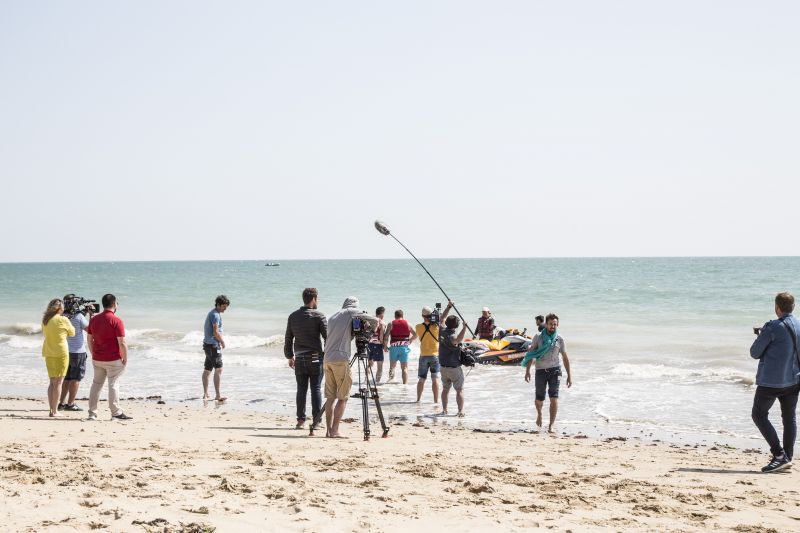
57, 366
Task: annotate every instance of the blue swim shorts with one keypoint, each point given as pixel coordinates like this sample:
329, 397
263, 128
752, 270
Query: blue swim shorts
399, 353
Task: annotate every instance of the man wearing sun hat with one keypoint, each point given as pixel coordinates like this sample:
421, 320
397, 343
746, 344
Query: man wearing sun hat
485, 328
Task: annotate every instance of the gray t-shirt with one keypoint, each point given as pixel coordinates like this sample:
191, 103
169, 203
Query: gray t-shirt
550, 359
337, 346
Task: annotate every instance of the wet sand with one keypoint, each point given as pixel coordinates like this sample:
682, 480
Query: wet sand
183, 467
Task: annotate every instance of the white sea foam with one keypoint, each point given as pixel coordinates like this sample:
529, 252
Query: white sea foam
650, 371
152, 334
26, 328
20, 342
195, 338
197, 357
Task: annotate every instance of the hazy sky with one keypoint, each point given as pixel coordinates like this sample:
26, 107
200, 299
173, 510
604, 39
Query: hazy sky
271, 130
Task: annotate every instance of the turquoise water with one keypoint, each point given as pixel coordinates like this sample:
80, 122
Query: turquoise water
658, 345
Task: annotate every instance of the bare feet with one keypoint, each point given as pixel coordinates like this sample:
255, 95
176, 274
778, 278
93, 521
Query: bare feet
54, 415
550, 429
336, 436
220, 399
539, 419
443, 413
461, 414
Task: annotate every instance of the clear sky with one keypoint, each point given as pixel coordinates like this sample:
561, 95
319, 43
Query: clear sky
269, 130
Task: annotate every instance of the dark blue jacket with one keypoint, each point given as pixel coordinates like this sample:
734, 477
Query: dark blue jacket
777, 361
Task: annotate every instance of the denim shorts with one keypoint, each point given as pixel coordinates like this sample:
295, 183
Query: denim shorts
375, 351
427, 362
549, 378
213, 357
77, 367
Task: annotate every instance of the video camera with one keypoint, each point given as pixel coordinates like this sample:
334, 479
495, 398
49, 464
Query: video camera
77, 304
436, 313
362, 331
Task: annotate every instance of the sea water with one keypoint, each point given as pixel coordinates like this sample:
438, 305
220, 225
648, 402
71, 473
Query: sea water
659, 346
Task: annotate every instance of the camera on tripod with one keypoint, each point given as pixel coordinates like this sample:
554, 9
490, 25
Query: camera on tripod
77, 304
436, 313
362, 331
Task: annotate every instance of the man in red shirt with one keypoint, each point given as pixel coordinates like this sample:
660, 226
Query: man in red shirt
106, 335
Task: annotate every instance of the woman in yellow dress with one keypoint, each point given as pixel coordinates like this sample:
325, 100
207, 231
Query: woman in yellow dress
56, 329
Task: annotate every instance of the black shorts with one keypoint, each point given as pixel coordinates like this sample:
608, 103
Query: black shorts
77, 367
213, 356
549, 378
375, 351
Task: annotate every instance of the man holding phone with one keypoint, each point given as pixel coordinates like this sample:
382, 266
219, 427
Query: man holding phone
776, 349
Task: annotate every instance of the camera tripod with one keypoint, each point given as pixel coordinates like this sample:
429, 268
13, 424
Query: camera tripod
367, 390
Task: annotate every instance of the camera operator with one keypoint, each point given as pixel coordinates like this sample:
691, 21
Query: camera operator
428, 335
303, 348
450, 361
776, 349
336, 366
79, 318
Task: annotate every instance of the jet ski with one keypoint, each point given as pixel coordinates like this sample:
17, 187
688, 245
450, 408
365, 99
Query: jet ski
507, 348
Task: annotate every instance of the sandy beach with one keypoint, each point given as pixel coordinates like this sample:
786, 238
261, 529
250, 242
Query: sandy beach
189, 468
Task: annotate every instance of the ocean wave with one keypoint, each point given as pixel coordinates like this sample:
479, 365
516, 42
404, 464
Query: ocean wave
195, 338
166, 354
650, 371
20, 342
25, 328
152, 334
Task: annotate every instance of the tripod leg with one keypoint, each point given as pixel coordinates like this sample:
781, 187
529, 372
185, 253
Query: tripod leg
364, 396
374, 394
315, 421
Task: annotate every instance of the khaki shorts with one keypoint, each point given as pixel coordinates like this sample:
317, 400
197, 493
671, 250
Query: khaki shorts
56, 366
337, 379
452, 377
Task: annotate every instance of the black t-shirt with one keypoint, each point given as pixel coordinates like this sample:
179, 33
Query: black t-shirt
449, 353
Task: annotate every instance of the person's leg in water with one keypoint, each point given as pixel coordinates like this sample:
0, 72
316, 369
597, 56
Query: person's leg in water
445, 391
217, 383
206, 374
379, 372
435, 387
404, 372
539, 403
460, 401
553, 412
420, 388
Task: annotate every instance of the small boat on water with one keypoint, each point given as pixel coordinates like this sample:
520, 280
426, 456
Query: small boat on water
272, 264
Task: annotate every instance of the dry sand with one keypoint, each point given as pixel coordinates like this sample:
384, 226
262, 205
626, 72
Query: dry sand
187, 468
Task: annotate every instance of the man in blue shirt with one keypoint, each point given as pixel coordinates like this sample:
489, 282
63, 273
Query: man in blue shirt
213, 344
776, 349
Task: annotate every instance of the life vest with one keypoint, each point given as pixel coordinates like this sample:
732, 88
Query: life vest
400, 330
485, 328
